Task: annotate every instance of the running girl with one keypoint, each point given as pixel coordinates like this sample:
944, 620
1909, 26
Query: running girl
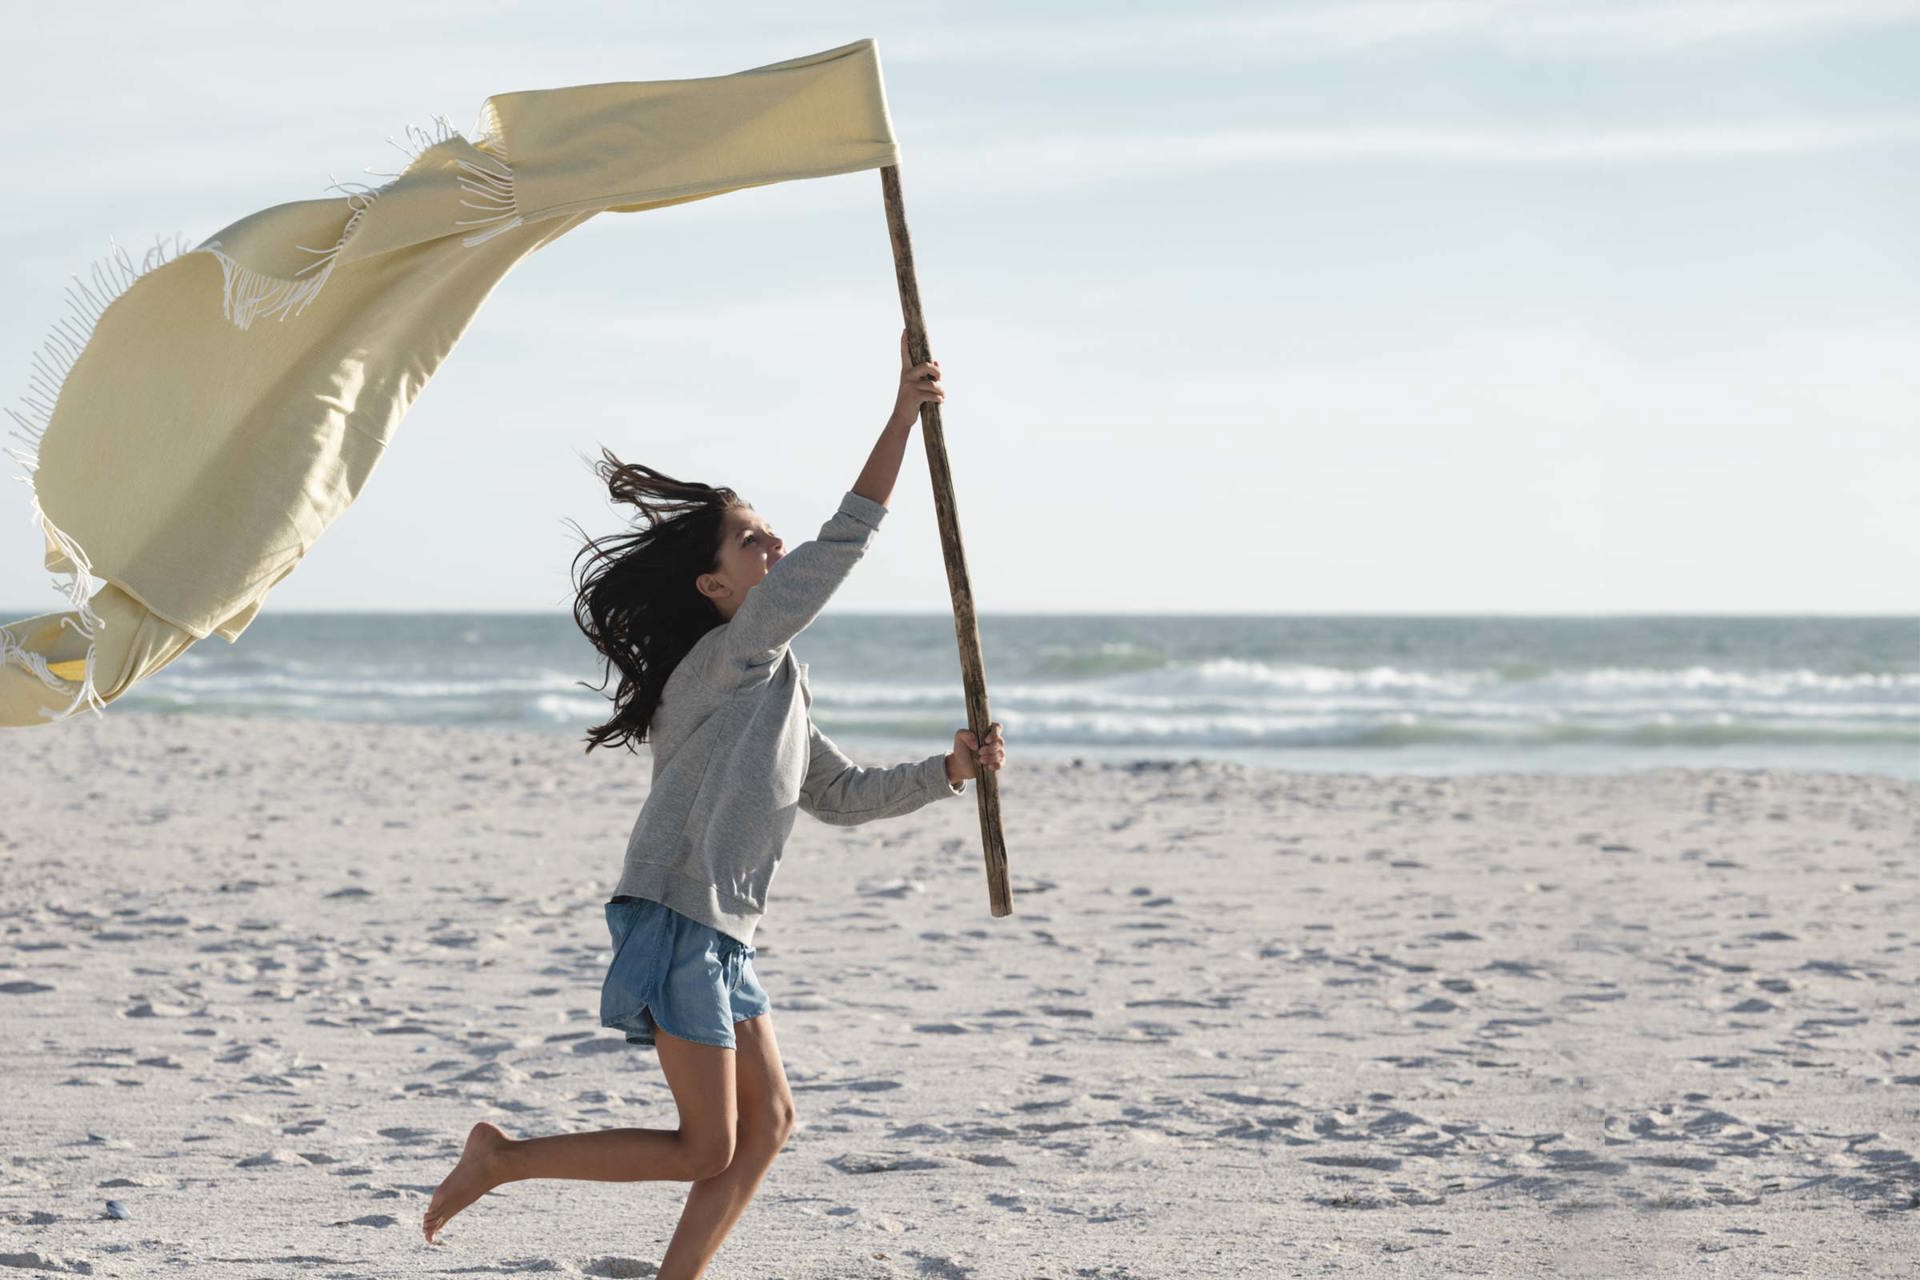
697, 610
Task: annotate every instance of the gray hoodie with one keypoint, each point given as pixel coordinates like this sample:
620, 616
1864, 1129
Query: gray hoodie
736, 752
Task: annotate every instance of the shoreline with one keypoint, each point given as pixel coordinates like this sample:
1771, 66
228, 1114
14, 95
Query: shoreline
1323, 759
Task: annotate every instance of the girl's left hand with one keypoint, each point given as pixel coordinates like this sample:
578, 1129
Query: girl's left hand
970, 755
919, 384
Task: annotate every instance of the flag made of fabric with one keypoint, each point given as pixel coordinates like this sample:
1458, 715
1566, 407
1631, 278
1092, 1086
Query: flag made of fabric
209, 415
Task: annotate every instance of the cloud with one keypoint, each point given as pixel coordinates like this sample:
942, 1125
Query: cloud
1662, 26
1070, 160
1522, 28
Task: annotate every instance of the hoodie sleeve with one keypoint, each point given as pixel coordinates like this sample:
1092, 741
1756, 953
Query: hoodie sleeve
782, 604
840, 792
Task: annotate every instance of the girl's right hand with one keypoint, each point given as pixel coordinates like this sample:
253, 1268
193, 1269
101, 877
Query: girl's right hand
919, 384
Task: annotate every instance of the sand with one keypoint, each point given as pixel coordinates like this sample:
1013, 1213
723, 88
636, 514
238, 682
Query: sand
257, 979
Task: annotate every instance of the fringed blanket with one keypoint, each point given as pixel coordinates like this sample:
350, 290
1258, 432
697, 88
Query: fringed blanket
205, 416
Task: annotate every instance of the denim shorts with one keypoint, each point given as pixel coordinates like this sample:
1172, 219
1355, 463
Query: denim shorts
677, 975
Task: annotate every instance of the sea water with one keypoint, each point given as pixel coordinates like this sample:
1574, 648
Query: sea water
1364, 693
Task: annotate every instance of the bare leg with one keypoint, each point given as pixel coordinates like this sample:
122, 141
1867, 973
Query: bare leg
702, 1079
766, 1119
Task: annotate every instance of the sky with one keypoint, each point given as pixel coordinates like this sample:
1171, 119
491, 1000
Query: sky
1442, 306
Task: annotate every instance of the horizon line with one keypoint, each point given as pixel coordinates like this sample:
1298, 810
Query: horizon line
1176, 613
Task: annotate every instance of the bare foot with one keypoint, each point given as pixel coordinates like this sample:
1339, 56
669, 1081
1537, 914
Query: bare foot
476, 1174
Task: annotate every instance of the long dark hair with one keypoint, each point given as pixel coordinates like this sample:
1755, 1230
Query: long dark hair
635, 599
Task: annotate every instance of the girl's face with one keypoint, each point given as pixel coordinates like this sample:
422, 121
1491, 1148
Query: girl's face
748, 548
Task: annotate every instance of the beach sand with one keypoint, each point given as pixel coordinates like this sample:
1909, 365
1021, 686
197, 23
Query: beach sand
257, 978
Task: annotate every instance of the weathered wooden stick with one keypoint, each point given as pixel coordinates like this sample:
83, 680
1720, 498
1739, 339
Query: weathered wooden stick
972, 670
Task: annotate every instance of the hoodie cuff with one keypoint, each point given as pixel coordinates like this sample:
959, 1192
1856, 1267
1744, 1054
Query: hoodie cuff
936, 767
865, 510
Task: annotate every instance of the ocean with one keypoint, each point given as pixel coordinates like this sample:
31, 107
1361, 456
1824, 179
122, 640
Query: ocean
1364, 693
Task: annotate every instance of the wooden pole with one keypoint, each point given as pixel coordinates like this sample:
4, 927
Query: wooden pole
966, 628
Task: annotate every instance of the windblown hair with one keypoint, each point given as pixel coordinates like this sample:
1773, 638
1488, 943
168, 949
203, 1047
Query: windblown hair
635, 598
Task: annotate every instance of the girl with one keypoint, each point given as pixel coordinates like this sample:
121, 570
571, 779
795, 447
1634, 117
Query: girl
697, 611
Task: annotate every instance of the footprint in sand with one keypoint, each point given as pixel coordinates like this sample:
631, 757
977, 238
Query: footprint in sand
154, 1009
1385, 1164
864, 1162
33, 1260
898, 888
601, 1044
873, 1086
939, 1268
268, 1159
407, 1137
619, 1268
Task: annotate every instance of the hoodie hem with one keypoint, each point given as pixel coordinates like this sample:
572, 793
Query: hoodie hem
694, 898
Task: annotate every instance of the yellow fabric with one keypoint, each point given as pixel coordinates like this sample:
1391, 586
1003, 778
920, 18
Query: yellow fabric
231, 402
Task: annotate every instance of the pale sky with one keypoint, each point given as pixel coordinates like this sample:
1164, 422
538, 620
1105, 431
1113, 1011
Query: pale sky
1577, 306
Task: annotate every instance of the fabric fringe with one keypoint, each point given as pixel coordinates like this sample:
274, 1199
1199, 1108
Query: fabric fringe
247, 295
491, 182
110, 277
250, 295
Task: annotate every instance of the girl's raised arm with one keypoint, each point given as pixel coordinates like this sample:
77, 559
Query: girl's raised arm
918, 385
782, 604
